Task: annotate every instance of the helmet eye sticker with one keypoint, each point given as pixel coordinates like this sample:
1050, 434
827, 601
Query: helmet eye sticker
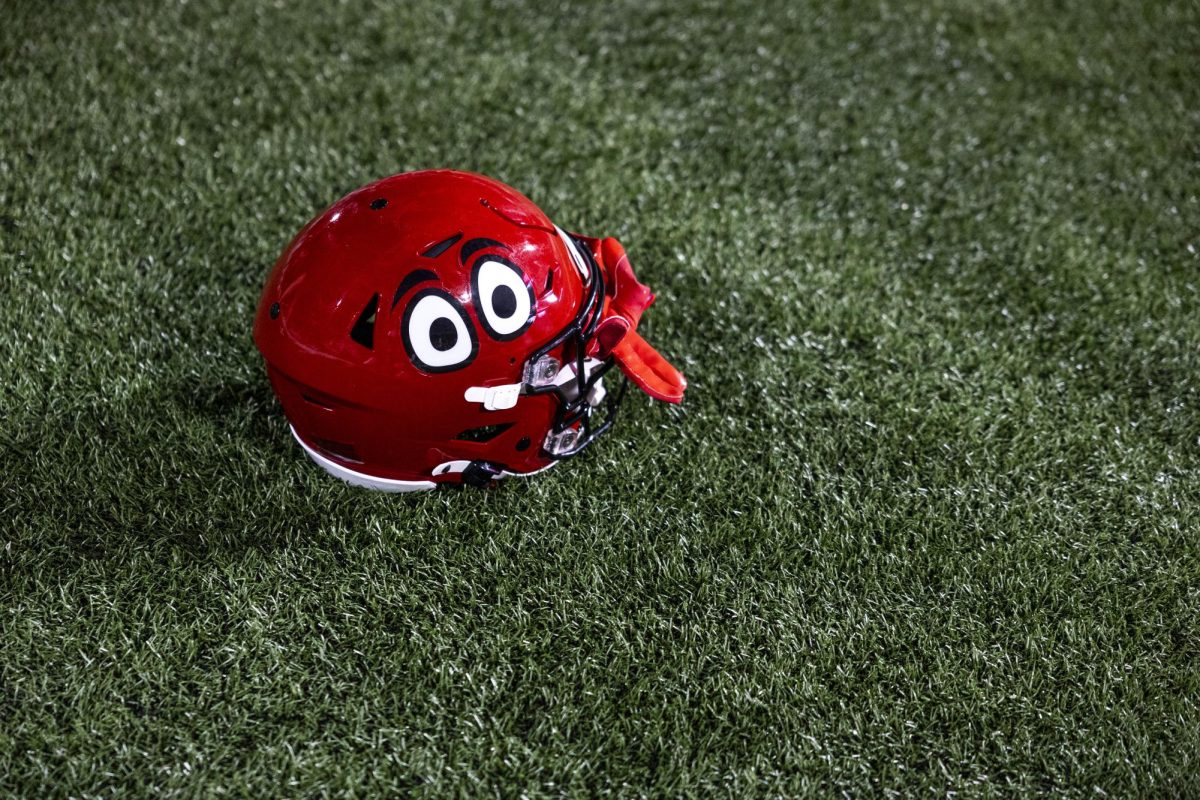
473, 246
504, 302
436, 332
413, 278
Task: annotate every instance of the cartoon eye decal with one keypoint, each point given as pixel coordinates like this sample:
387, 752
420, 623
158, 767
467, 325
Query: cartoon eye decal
504, 303
436, 332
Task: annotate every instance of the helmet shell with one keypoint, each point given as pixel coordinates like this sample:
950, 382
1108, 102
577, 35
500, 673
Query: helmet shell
330, 325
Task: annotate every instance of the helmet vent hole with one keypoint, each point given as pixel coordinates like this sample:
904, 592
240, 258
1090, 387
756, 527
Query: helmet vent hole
318, 401
342, 450
378, 203
524, 443
549, 281
363, 331
483, 434
436, 249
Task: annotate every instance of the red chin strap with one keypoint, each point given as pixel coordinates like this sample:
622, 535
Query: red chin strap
625, 301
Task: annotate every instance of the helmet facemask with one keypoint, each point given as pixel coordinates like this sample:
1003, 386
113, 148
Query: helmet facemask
557, 366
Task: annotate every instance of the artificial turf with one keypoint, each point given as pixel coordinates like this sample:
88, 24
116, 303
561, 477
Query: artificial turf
926, 523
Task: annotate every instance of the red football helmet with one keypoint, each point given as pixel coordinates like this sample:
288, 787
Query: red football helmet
436, 327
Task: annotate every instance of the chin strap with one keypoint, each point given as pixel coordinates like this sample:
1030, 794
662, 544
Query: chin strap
652, 373
625, 300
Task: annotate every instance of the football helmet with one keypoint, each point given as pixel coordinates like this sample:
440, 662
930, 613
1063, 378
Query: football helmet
436, 327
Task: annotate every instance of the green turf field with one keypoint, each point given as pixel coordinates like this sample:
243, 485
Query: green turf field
928, 523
